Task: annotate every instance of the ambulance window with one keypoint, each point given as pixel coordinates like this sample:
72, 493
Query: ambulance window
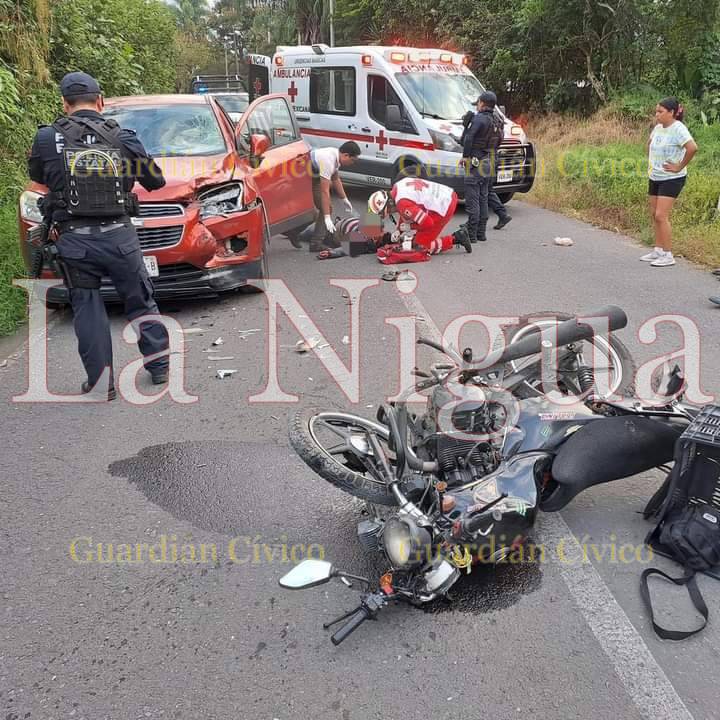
380, 95
332, 91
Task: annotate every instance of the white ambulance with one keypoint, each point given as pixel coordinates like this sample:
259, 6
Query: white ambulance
403, 106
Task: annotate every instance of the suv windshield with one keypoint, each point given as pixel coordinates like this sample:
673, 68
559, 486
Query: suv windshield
447, 96
172, 130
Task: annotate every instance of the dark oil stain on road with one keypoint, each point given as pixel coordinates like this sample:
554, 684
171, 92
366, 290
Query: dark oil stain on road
490, 587
265, 492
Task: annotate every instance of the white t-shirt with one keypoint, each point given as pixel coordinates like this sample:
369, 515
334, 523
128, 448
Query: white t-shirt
326, 160
667, 144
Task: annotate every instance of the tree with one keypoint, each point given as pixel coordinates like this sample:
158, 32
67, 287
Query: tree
192, 16
24, 37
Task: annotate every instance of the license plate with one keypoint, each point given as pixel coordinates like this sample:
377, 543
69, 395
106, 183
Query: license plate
504, 176
151, 265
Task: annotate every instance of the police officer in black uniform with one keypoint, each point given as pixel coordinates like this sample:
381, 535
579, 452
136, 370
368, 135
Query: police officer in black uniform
96, 235
481, 138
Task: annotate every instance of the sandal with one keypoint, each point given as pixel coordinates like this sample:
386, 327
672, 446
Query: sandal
331, 254
391, 275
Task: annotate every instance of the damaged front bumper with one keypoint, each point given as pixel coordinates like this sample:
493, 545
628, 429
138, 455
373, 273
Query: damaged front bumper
213, 256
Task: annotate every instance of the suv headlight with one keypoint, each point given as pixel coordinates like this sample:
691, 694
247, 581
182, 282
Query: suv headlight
221, 200
444, 141
29, 209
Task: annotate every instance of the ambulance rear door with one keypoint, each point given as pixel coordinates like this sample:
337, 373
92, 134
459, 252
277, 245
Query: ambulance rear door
258, 76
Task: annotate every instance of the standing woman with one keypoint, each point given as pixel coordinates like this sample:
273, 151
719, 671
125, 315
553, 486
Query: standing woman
670, 149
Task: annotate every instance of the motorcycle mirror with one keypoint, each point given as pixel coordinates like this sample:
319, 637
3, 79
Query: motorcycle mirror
307, 574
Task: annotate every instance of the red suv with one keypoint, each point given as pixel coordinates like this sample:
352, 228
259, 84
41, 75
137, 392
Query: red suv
230, 187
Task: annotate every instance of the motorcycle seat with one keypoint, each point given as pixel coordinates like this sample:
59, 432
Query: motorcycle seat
605, 450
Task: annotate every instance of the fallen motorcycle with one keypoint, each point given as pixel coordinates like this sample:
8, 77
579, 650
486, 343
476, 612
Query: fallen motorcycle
467, 477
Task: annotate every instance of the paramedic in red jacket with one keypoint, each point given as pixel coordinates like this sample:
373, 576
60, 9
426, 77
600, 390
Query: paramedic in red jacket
427, 207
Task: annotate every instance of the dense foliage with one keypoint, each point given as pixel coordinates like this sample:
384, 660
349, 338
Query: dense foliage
575, 57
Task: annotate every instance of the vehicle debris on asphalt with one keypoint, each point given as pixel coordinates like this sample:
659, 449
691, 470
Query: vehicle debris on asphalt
563, 241
303, 346
222, 374
219, 341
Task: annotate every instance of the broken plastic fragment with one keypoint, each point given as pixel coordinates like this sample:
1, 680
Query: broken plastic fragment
563, 241
222, 374
303, 346
219, 341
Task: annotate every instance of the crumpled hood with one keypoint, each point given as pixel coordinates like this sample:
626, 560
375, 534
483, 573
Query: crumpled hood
184, 176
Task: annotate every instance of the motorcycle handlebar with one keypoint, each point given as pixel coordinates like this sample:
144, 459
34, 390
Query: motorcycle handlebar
567, 332
356, 619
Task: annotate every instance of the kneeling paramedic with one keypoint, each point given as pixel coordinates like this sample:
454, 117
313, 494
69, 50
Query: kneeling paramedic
90, 165
427, 207
480, 142
325, 164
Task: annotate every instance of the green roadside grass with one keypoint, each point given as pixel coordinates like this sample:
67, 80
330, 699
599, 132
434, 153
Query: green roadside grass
13, 301
605, 183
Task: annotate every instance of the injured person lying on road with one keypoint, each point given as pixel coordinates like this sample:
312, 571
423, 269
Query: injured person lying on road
423, 212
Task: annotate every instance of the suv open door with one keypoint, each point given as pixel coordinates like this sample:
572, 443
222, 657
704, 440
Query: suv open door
277, 162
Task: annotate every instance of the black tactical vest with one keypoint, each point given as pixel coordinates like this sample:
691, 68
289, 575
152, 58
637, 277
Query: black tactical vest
93, 171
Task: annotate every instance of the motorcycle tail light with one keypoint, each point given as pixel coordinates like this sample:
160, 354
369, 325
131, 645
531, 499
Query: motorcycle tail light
386, 583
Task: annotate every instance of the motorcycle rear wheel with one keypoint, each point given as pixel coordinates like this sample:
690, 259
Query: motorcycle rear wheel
622, 367
341, 465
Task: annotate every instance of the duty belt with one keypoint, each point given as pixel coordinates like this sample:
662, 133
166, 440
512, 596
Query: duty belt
89, 227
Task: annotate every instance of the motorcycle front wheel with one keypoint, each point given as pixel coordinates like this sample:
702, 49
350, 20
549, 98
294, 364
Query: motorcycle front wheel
619, 371
335, 445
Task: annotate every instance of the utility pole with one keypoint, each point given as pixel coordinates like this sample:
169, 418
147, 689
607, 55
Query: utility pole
332, 25
237, 37
225, 48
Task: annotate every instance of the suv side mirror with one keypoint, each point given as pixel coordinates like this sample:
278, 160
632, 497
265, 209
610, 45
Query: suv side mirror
259, 145
393, 118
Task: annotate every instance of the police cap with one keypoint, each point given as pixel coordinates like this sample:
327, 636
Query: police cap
489, 98
78, 83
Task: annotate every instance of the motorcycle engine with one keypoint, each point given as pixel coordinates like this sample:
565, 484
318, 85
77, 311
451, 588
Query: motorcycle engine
463, 461
476, 419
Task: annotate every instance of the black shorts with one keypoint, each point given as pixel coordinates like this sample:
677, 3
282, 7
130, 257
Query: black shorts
666, 188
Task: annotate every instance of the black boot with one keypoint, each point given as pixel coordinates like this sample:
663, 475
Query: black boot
482, 225
471, 235
502, 222
461, 237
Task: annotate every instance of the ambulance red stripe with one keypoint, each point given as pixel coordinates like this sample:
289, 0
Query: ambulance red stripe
415, 144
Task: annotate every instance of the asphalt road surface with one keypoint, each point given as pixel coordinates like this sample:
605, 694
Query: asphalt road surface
217, 638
